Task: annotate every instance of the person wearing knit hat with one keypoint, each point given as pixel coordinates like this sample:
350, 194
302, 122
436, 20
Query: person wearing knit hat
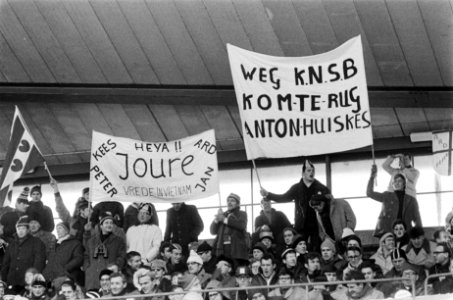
230, 228
38, 208
23, 197
329, 253
195, 267
305, 217
399, 258
86, 193
258, 250
382, 257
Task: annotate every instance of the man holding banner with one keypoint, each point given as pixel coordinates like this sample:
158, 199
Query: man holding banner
305, 221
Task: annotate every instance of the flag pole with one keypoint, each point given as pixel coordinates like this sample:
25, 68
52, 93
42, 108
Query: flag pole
48, 171
257, 175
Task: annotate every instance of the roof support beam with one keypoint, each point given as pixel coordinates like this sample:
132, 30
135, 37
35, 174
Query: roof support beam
379, 97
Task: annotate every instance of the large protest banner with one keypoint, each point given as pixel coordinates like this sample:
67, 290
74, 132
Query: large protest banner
124, 169
442, 152
293, 106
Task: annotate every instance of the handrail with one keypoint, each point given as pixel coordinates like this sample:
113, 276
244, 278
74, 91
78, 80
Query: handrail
305, 284
425, 283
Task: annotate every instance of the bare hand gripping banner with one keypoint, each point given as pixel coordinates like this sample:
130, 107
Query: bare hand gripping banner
124, 169
302, 106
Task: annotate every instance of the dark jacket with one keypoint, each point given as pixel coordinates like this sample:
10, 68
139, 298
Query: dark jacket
20, 255
305, 221
305, 216
9, 220
278, 221
389, 212
183, 226
236, 230
65, 260
37, 208
94, 262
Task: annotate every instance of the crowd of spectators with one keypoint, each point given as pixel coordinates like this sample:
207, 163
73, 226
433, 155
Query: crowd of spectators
106, 251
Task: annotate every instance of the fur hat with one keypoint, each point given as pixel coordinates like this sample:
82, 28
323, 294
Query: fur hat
104, 216
23, 197
159, 264
194, 257
235, 197
36, 188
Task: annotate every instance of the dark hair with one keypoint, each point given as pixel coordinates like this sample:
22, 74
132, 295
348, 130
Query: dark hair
119, 274
164, 245
132, 254
436, 234
354, 275
69, 283
268, 256
284, 271
311, 256
397, 222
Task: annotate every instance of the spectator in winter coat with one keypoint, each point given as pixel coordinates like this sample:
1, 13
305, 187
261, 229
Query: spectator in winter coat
37, 207
195, 267
362, 290
230, 230
276, 220
400, 232
442, 256
102, 247
46, 237
209, 260
184, 225
300, 193
66, 259
9, 219
144, 237
395, 205
23, 252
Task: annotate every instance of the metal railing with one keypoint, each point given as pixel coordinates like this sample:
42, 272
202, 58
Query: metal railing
305, 286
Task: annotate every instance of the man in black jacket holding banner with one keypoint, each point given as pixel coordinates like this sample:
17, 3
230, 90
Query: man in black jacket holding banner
305, 217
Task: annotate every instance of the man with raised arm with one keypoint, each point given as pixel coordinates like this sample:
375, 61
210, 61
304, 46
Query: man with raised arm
395, 205
405, 167
301, 193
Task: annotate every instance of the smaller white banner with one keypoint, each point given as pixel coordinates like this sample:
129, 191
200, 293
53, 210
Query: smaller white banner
442, 151
124, 169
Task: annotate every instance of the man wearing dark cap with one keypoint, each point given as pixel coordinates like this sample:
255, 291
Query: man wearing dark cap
301, 193
290, 265
24, 252
37, 207
286, 278
420, 250
209, 260
230, 230
332, 215
243, 280
184, 225
104, 282
67, 257
411, 273
399, 258
9, 219
395, 205
225, 274
102, 247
